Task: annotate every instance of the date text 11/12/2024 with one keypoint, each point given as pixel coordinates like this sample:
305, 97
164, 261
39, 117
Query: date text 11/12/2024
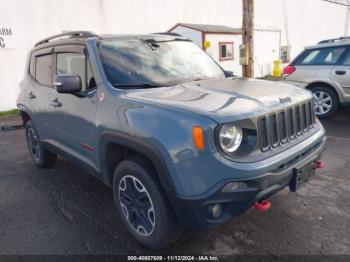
173, 258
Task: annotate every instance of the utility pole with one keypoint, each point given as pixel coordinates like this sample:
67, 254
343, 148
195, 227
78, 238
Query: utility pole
248, 37
346, 31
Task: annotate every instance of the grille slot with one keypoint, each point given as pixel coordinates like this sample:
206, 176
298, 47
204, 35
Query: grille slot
290, 121
273, 130
304, 118
263, 134
297, 120
311, 114
283, 126
279, 128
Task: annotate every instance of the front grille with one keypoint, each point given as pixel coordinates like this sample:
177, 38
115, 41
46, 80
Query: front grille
280, 127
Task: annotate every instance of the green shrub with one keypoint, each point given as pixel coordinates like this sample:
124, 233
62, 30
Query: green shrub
13, 112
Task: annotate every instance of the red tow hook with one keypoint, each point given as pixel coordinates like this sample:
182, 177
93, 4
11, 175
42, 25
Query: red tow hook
263, 205
320, 164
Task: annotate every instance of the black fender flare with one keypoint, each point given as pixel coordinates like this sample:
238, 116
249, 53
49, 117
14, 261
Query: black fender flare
139, 145
25, 109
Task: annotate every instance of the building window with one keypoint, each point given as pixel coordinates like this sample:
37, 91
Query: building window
226, 51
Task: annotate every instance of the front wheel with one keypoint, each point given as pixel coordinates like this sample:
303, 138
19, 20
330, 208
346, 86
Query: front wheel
325, 101
142, 205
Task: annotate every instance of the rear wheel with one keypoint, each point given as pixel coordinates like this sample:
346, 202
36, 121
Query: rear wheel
142, 205
326, 101
39, 154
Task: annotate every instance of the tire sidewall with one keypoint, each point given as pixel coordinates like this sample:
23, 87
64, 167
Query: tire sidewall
133, 169
29, 125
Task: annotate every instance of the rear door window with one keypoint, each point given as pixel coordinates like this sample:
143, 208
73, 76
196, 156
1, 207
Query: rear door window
322, 56
43, 69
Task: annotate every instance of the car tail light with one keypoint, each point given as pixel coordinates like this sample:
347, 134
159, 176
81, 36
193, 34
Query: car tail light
288, 70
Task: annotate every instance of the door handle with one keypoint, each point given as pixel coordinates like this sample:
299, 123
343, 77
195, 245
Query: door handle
31, 95
340, 72
56, 103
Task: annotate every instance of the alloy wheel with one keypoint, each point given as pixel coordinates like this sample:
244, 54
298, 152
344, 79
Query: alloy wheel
136, 205
323, 102
33, 143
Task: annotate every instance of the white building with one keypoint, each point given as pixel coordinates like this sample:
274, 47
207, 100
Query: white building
22, 23
223, 44
220, 42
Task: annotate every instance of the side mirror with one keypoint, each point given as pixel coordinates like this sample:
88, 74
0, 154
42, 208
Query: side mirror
67, 84
229, 73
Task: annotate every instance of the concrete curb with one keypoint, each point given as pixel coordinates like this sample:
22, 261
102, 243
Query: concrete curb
11, 126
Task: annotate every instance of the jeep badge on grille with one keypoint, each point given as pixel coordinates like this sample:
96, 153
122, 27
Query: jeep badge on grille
285, 100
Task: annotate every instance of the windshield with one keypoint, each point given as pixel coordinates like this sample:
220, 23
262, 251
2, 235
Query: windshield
149, 63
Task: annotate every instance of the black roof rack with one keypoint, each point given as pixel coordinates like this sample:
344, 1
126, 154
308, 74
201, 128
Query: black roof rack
168, 33
73, 34
333, 40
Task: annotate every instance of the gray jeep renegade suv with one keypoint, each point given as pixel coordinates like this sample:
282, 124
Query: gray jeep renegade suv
181, 142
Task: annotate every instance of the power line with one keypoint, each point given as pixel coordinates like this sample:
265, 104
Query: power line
339, 2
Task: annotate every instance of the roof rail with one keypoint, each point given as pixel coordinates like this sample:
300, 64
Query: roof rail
167, 33
73, 34
334, 40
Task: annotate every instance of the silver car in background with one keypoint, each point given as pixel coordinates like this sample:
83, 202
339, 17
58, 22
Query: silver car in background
324, 69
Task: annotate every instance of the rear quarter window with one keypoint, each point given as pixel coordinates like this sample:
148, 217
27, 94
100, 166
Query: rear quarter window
346, 60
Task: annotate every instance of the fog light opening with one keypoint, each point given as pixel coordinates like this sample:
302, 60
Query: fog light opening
215, 210
233, 186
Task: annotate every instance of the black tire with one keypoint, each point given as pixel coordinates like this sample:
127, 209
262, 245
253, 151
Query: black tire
332, 103
42, 157
165, 228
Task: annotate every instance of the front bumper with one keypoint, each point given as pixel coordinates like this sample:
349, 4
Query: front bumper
193, 211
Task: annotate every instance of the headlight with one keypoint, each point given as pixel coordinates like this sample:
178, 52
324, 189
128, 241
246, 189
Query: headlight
230, 138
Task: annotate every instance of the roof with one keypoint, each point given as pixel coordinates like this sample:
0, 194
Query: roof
341, 41
219, 29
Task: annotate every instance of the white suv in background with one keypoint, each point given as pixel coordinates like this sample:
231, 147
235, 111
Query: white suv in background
325, 70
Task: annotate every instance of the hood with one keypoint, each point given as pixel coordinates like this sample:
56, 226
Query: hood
225, 100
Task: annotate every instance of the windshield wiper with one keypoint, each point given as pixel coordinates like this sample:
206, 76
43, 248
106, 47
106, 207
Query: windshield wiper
140, 85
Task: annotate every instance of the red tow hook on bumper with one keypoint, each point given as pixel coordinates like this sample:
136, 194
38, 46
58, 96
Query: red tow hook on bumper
263, 206
320, 164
